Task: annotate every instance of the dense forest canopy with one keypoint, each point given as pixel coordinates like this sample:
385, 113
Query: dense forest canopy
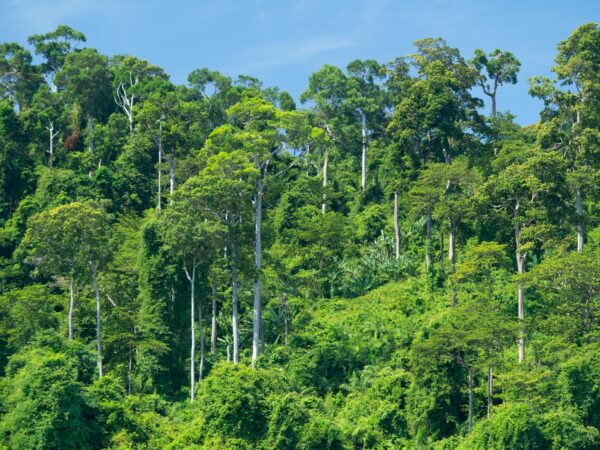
387, 264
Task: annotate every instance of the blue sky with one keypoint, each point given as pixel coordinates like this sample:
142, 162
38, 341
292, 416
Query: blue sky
283, 42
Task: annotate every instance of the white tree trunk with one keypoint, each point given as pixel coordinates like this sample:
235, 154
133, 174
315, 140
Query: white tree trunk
213, 327
428, 231
51, 135
202, 350
171, 161
91, 134
98, 322
192, 279
520, 257
396, 225
363, 129
325, 179
160, 153
256, 319
234, 294
580, 227
71, 305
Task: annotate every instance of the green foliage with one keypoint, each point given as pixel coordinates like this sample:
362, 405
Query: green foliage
45, 403
389, 212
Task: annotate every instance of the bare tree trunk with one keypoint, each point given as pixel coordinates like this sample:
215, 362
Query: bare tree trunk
428, 230
51, 135
202, 349
98, 322
234, 314
580, 227
470, 417
91, 133
261, 334
493, 104
160, 153
171, 162
325, 175
192, 279
71, 305
490, 391
256, 319
213, 328
520, 257
396, 225
452, 243
363, 129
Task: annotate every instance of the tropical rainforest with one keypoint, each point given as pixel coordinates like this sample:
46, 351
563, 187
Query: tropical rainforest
386, 262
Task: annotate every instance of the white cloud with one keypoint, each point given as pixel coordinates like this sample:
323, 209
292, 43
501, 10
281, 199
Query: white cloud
278, 54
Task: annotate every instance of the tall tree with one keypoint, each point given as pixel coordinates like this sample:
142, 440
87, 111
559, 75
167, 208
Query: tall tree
327, 88
570, 118
71, 240
19, 78
86, 79
529, 190
366, 97
194, 239
223, 190
499, 68
134, 79
54, 48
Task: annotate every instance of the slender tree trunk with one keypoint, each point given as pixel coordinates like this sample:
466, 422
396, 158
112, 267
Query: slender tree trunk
396, 225
452, 243
51, 135
256, 319
580, 227
261, 334
213, 327
325, 175
192, 279
520, 257
51, 144
171, 162
91, 133
578, 199
160, 153
493, 104
428, 230
490, 390
71, 305
363, 129
234, 314
470, 418
202, 347
98, 322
